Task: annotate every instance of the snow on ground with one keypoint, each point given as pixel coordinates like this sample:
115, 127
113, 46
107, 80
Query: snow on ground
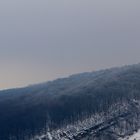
135, 136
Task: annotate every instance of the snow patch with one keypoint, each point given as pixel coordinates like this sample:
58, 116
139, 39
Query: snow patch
135, 136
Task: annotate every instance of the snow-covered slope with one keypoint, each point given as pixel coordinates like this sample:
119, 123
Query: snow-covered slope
119, 122
135, 136
102, 105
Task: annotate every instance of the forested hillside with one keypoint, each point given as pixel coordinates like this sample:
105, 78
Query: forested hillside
87, 99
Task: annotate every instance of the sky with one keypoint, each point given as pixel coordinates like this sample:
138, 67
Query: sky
42, 40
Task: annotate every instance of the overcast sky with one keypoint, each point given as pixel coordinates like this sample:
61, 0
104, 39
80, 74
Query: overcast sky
41, 40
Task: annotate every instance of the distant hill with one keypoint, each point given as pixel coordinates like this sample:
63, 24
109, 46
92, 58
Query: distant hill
94, 100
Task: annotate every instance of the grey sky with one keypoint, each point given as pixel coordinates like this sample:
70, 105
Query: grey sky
42, 40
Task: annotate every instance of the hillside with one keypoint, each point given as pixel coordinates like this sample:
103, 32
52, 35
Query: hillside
98, 105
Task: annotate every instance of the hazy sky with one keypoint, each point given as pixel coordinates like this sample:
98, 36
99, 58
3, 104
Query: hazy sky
42, 40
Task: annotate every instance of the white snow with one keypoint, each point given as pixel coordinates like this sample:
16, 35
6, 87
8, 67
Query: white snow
135, 136
49, 136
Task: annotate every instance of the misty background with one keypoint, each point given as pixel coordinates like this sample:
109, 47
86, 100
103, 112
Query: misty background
47, 39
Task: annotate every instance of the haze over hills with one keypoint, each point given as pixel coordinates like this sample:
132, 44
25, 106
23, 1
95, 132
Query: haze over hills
42, 40
101, 105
